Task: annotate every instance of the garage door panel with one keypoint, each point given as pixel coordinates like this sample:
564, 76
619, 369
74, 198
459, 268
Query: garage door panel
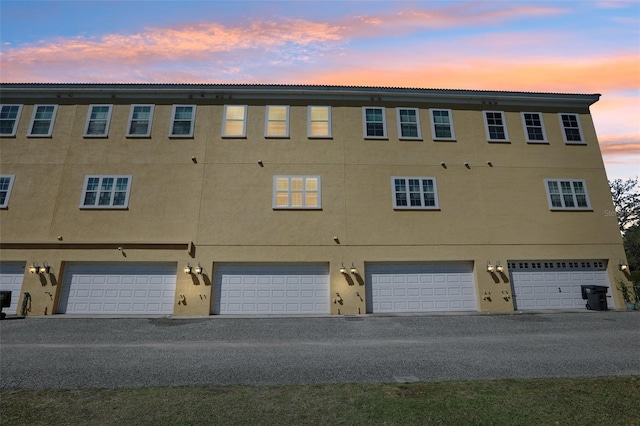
11, 278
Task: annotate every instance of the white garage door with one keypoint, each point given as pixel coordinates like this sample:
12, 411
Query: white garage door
11, 274
420, 287
118, 288
268, 288
555, 284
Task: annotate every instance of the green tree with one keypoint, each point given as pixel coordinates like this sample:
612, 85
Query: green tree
626, 199
631, 241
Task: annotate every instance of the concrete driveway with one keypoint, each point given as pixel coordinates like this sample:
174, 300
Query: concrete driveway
65, 352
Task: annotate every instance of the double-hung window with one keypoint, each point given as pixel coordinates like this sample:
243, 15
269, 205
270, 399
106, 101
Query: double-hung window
496, 126
98, 120
297, 192
419, 193
42, 120
375, 123
234, 121
567, 194
9, 116
571, 130
6, 184
140, 119
106, 192
183, 118
442, 124
534, 127
319, 121
277, 121
408, 123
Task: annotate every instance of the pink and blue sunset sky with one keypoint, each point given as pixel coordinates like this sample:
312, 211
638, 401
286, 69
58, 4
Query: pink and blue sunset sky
552, 46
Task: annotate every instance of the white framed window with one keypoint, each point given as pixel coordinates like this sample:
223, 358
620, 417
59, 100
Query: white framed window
277, 121
567, 194
42, 120
571, 129
534, 127
408, 123
6, 184
297, 192
496, 126
442, 124
418, 193
234, 121
183, 118
9, 117
374, 123
98, 120
318, 121
140, 120
106, 192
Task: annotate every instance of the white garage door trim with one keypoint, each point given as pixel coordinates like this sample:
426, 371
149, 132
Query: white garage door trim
271, 289
11, 276
555, 284
118, 288
420, 287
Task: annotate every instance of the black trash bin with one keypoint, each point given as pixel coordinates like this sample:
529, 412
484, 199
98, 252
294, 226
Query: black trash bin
5, 302
596, 297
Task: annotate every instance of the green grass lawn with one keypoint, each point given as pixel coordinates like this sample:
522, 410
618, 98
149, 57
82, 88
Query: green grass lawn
590, 401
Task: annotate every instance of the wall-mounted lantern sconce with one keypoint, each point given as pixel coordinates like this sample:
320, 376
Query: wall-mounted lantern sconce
499, 266
623, 266
353, 269
198, 269
490, 267
44, 269
343, 270
34, 268
187, 269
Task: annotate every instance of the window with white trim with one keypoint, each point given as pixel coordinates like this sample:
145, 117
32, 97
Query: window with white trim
296, 192
571, 129
277, 121
42, 120
319, 121
567, 194
98, 120
140, 120
442, 124
495, 126
234, 121
106, 192
534, 127
374, 122
408, 123
419, 193
6, 184
183, 118
9, 116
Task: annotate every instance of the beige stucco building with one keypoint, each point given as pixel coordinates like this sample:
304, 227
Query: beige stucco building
191, 200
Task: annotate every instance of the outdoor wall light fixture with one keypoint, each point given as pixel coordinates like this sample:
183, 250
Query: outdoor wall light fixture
198, 269
44, 269
499, 266
490, 267
623, 266
353, 269
187, 269
343, 270
34, 268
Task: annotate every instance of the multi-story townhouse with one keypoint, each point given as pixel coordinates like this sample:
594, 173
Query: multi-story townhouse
190, 200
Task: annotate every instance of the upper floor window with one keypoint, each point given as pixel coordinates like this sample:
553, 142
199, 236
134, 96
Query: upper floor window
414, 193
571, 130
140, 119
296, 192
534, 127
42, 120
234, 122
567, 194
375, 123
9, 116
98, 120
319, 121
495, 126
442, 124
183, 118
408, 123
106, 192
277, 121
6, 184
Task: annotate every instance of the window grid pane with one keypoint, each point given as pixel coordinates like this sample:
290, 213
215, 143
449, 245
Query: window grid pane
301, 192
567, 194
374, 122
415, 192
106, 191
